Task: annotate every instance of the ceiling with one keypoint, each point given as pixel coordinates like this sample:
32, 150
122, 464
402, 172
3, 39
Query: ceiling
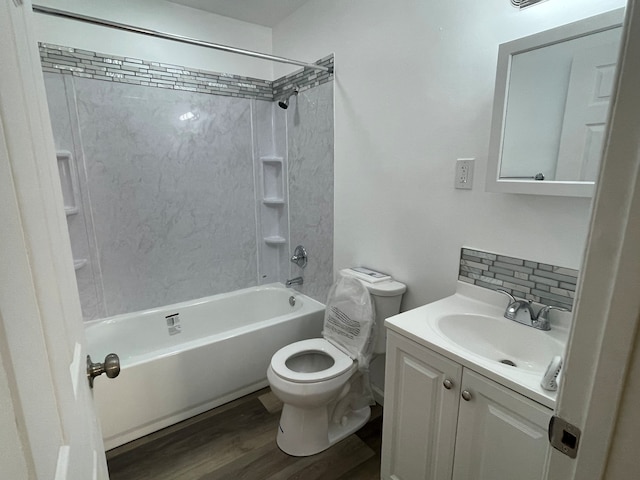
262, 12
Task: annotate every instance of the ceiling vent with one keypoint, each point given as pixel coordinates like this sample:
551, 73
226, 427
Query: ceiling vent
524, 3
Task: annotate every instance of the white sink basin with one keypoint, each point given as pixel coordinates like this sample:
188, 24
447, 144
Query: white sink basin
501, 340
470, 329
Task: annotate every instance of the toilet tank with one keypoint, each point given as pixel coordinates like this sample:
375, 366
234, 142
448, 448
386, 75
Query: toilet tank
386, 294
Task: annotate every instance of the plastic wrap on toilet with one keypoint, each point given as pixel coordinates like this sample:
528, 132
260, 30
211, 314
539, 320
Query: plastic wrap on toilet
349, 322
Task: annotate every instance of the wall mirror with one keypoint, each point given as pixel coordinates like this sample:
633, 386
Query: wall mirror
550, 108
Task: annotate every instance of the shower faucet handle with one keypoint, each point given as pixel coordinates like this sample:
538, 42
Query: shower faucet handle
299, 256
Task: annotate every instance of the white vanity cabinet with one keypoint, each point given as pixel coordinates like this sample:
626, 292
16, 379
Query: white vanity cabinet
420, 413
501, 434
432, 432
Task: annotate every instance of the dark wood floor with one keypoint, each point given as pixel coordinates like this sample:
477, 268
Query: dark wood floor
237, 441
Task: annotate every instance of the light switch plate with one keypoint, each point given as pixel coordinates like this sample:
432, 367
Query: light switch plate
464, 173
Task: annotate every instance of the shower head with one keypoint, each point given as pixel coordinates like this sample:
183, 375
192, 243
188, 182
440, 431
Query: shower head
284, 103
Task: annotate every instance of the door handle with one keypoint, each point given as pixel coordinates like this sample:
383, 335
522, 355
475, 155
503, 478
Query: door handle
111, 367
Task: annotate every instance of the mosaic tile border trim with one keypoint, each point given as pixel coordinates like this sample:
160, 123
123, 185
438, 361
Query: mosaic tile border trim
303, 78
540, 282
113, 68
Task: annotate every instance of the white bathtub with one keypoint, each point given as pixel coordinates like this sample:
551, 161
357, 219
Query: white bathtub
183, 359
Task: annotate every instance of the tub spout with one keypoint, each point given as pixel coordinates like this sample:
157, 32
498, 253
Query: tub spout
295, 281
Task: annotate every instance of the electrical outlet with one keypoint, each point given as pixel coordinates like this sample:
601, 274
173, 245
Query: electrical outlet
464, 173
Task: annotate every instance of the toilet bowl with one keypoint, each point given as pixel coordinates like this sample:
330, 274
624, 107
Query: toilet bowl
317, 380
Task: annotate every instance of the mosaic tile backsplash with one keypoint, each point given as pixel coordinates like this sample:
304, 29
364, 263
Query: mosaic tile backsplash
540, 282
112, 68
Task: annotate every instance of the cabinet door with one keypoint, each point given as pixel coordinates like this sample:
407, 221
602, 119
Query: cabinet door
501, 434
420, 413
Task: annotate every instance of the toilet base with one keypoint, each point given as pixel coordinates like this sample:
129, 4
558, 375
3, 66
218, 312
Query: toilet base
304, 432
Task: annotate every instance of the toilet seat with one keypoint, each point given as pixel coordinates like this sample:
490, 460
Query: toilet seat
342, 362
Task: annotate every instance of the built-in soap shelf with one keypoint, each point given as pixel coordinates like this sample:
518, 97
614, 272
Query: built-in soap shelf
68, 181
272, 181
275, 240
273, 197
70, 192
273, 202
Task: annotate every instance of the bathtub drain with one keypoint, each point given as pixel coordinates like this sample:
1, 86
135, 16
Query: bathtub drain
292, 300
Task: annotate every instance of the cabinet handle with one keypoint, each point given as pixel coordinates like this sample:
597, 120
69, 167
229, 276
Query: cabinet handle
448, 384
466, 395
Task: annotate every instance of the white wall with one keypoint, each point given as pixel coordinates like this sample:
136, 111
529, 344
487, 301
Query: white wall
165, 17
414, 91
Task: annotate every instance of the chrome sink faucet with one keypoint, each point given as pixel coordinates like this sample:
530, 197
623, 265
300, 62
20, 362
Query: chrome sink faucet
520, 310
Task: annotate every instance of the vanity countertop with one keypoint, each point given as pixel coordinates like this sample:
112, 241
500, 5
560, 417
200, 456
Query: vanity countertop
423, 325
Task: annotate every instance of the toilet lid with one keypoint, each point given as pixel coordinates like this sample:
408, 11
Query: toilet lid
349, 319
341, 364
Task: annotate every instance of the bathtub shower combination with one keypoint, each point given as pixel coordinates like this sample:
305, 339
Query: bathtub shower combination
183, 359
174, 192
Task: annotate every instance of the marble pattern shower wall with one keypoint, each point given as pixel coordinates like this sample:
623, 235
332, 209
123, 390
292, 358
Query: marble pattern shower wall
169, 175
170, 179
61, 100
310, 163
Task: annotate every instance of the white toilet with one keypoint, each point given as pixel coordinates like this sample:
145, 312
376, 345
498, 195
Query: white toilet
314, 377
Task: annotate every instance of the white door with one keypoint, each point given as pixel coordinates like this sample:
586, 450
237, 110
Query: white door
42, 352
585, 114
501, 434
420, 412
605, 333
